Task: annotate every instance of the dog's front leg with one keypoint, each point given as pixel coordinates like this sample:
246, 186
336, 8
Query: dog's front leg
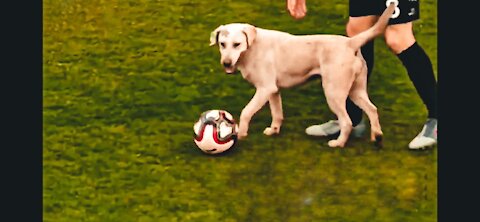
275, 102
259, 99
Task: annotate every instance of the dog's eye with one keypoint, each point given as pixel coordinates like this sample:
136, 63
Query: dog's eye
235, 45
222, 44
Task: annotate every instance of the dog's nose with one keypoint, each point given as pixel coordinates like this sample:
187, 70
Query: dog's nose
227, 64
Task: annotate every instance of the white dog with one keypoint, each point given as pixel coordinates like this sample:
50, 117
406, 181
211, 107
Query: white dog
272, 60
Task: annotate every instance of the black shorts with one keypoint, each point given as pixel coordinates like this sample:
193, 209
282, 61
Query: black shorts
406, 10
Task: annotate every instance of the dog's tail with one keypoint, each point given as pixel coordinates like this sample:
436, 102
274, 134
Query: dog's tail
359, 40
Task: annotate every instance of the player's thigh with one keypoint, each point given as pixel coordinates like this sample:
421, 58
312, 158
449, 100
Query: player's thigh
359, 24
363, 15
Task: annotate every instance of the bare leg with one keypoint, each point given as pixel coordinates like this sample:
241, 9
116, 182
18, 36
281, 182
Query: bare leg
401, 40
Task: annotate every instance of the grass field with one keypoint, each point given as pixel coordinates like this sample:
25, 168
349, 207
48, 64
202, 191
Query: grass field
124, 81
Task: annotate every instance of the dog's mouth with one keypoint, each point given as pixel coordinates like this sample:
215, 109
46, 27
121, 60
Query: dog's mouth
230, 70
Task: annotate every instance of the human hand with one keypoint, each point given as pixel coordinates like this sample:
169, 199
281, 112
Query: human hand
297, 8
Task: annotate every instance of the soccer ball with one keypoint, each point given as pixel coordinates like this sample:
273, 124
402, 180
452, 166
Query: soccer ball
215, 131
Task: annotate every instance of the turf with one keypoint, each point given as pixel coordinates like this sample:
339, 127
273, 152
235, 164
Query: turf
124, 81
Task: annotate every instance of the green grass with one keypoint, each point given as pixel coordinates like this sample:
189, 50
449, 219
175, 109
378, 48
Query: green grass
124, 81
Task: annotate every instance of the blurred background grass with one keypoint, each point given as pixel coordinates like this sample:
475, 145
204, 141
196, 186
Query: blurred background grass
124, 81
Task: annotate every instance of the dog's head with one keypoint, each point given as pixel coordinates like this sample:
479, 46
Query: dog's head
232, 39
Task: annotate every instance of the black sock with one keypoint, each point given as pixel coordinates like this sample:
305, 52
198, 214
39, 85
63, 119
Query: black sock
353, 110
420, 71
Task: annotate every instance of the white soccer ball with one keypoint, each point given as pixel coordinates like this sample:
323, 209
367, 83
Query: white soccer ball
215, 131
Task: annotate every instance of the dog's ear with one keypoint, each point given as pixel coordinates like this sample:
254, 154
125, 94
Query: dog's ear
214, 35
250, 32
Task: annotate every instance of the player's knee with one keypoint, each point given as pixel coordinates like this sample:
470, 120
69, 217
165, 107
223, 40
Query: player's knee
398, 41
394, 43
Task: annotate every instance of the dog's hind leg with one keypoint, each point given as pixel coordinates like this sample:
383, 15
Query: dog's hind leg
336, 87
359, 96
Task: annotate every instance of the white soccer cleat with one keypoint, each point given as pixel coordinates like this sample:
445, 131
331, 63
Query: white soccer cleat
427, 137
332, 127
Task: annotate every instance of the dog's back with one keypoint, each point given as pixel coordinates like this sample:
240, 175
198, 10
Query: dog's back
295, 58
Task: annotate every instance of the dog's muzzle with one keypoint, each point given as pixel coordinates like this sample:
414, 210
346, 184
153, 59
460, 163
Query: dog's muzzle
228, 66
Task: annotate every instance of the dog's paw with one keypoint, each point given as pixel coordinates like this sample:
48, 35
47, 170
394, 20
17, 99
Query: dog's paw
270, 131
241, 135
335, 143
